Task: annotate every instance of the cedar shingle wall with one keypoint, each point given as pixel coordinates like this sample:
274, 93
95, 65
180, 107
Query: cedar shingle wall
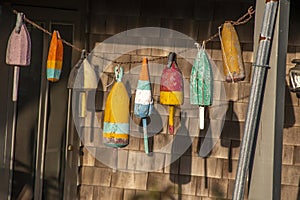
191, 176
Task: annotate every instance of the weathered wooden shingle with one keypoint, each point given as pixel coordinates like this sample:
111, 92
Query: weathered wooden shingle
185, 184
202, 186
297, 155
91, 136
172, 163
161, 182
144, 194
134, 141
244, 92
214, 167
291, 136
240, 111
88, 157
221, 149
161, 141
226, 166
195, 166
96, 176
288, 155
248, 69
152, 163
289, 192
290, 175
128, 194
218, 188
129, 180
86, 192
232, 91
247, 52
186, 197
105, 193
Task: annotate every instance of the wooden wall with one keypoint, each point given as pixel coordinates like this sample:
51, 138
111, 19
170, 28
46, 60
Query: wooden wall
190, 177
199, 20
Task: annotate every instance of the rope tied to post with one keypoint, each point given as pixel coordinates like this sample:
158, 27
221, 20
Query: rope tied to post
242, 20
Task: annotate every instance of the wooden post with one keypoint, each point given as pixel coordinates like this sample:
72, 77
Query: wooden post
265, 182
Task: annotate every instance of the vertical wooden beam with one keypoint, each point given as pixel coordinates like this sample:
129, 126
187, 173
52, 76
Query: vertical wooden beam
265, 181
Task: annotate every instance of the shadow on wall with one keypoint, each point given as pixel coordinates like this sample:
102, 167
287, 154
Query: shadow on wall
94, 104
230, 136
181, 162
289, 113
155, 195
200, 144
298, 196
181, 158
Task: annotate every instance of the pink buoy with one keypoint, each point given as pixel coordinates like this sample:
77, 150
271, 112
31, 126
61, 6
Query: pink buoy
18, 51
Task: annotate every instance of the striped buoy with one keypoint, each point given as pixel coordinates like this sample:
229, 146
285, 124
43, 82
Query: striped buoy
143, 102
116, 115
55, 58
171, 88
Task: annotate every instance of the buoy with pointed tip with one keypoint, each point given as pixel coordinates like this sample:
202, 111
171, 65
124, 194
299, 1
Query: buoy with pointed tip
143, 102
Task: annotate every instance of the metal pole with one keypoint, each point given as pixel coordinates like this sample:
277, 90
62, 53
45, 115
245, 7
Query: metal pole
255, 99
12, 153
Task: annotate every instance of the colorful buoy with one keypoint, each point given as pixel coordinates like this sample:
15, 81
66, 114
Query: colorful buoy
116, 116
201, 83
231, 53
75, 80
171, 88
55, 58
18, 51
143, 102
86, 80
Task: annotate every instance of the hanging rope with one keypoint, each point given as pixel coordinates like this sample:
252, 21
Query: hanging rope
47, 32
245, 18
242, 20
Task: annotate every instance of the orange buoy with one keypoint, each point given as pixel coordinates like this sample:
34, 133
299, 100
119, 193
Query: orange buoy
55, 58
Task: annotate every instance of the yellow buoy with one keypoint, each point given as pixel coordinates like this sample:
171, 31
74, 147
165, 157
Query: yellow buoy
231, 53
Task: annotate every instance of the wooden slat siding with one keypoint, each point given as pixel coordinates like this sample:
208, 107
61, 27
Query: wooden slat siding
129, 180
148, 14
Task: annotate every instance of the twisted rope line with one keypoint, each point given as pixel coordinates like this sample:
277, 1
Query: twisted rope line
242, 20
